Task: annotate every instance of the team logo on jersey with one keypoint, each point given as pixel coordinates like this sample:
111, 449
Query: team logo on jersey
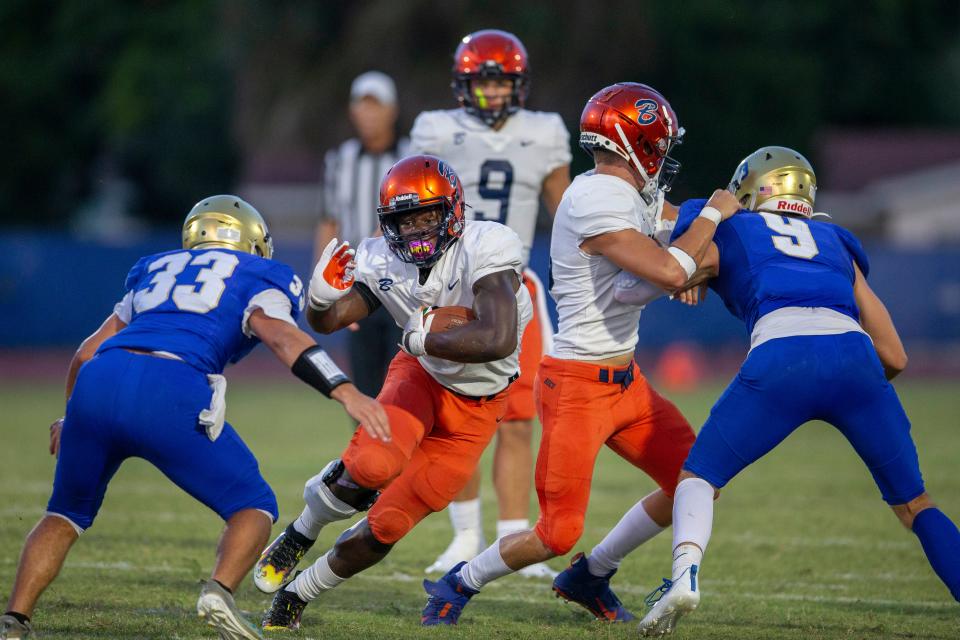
646, 111
384, 284
458, 137
447, 172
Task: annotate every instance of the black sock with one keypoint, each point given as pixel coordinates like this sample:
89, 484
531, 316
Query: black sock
225, 587
298, 537
22, 619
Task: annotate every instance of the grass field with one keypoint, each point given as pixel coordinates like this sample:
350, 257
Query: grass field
803, 547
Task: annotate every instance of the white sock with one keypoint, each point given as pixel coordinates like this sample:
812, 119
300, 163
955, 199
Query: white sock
307, 524
506, 527
635, 527
315, 580
486, 567
465, 517
692, 522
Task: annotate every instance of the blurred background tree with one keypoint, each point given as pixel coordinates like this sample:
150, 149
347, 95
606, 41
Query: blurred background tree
180, 99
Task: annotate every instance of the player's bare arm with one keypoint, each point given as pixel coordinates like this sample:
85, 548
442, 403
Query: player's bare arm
493, 335
84, 352
349, 309
876, 321
289, 344
553, 187
635, 252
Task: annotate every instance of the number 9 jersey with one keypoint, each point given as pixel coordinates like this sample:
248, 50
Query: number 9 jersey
502, 171
769, 261
195, 304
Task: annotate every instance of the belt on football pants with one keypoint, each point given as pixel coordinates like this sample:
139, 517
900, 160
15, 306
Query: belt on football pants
622, 377
492, 395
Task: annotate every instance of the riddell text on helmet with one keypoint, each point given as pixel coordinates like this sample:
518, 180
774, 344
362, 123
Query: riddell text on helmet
799, 207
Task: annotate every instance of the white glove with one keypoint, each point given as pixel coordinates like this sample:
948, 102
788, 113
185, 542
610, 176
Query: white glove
415, 332
333, 276
635, 291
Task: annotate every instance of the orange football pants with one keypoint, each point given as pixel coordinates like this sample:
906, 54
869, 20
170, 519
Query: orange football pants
580, 413
520, 401
437, 439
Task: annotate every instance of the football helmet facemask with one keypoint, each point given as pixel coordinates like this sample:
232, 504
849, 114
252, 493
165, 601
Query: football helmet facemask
490, 53
637, 123
230, 222
417, 184
775, 179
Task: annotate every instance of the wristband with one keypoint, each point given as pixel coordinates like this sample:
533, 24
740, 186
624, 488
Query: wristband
689, 264
315, 367
712, 214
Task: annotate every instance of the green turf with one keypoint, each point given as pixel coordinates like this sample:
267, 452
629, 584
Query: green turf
802, 548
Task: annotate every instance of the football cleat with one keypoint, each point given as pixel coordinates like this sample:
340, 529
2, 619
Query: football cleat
13, 629
448, 597
284, 612
577, 585
463, 548
669, 602
540, 570
276, 564
217, 606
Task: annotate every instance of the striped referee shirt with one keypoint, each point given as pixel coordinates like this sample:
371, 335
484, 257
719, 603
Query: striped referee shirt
351, 187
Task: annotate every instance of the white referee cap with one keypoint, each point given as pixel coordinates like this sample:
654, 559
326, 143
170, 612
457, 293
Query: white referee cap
374, 84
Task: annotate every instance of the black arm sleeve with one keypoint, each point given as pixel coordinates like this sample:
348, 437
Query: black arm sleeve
373, 302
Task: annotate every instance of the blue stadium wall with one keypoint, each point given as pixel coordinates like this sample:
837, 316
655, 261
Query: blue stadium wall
55, 290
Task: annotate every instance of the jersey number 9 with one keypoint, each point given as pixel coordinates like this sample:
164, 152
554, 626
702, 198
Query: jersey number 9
496, 180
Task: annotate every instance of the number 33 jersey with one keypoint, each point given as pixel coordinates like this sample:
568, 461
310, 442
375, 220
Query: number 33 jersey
502, 171
769, 262
196, 304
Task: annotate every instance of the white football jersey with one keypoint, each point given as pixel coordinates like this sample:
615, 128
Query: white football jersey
484, 248
502, 172
593, 325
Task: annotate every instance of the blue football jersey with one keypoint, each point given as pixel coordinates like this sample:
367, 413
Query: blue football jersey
192, 303
769, 261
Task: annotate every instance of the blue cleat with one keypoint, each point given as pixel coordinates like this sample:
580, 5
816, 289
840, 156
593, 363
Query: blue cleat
448, 597
576, 584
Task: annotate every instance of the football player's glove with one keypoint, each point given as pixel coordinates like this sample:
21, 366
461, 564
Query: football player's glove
415, 332
333, 276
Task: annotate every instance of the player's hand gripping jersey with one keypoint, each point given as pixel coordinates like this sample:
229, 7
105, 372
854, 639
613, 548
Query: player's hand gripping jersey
195, 304
502, 171
593, 325
784, 275
484, 248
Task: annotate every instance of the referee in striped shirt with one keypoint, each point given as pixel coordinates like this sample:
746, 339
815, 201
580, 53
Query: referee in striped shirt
351, 190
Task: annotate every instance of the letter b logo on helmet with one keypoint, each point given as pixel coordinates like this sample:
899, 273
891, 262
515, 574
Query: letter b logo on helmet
646, 111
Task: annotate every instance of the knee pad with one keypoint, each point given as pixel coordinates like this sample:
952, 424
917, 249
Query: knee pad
374, 465
563, 530
324, 506
389, 525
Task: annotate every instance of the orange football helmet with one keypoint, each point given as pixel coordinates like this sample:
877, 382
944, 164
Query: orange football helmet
414, 184
490, 53
637, 123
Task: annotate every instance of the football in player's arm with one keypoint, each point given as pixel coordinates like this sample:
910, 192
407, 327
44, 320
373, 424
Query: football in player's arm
445, 391
510, 159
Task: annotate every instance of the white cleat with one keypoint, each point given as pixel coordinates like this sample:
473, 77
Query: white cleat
677, 598
218, 608
463, 548
539, 570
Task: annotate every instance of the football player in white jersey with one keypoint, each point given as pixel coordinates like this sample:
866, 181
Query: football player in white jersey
589, 390
444, 393
509, 159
